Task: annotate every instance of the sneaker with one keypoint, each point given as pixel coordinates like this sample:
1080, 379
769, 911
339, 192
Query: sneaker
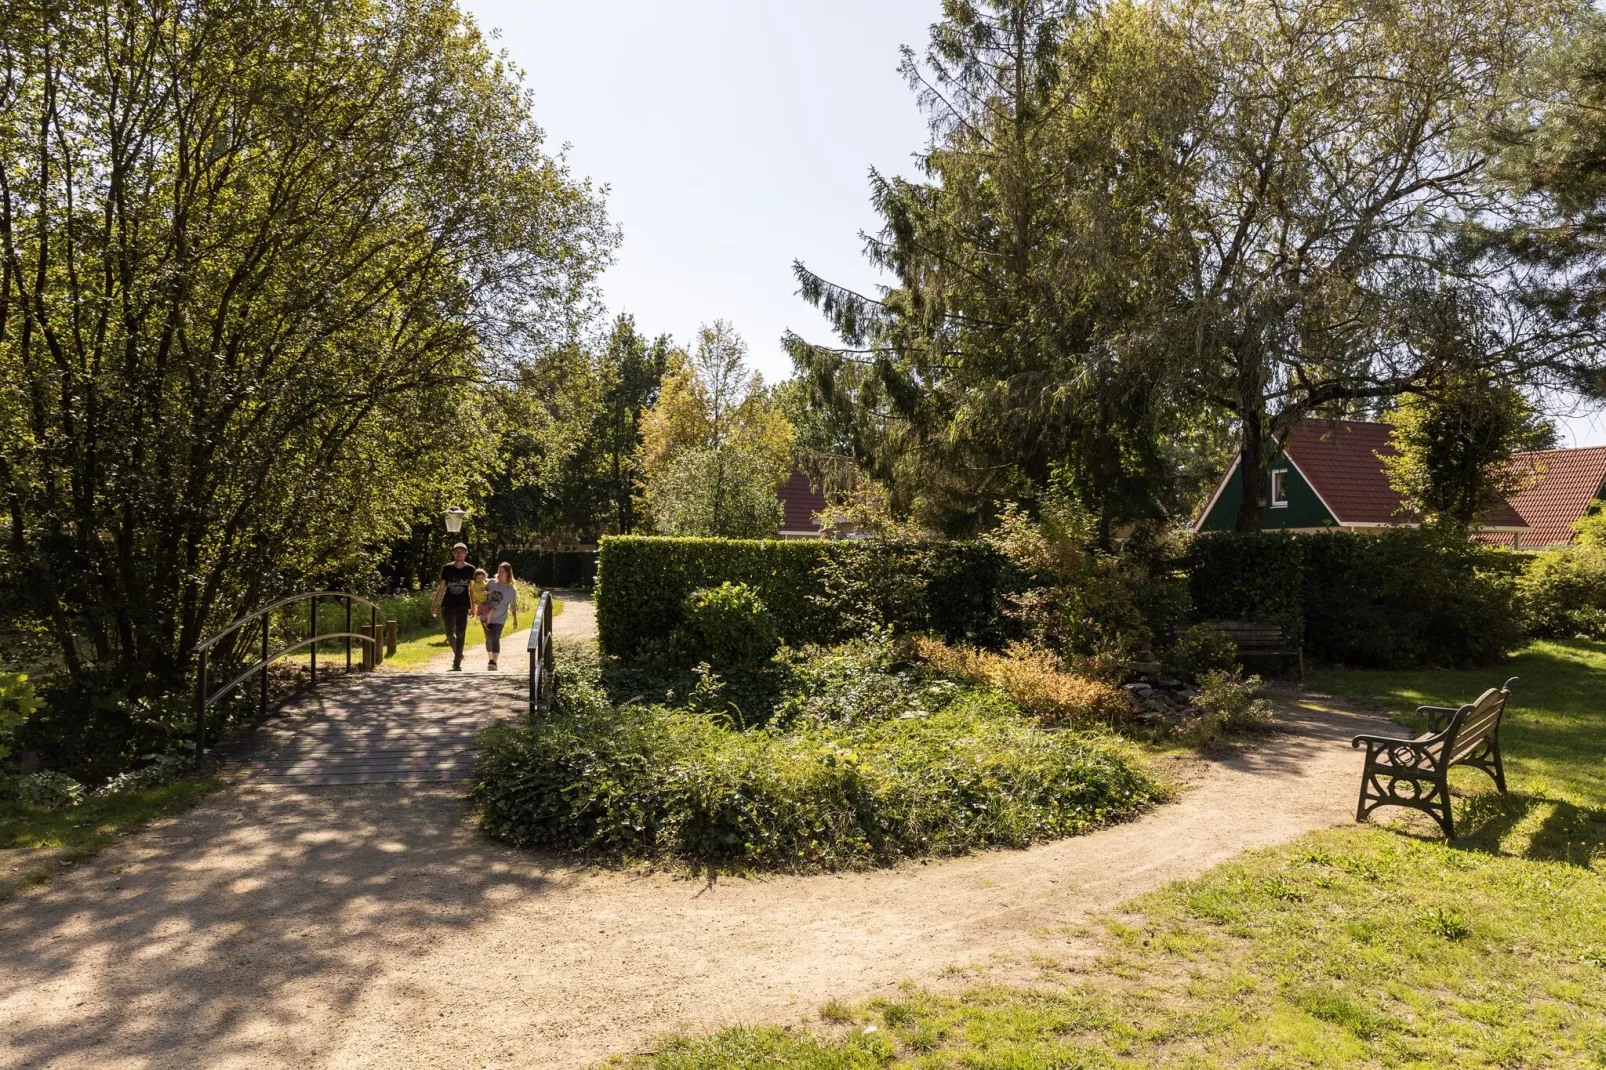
490, 666
456, 667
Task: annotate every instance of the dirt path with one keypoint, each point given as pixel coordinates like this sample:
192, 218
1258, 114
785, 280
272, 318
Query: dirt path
371, 927
577, 620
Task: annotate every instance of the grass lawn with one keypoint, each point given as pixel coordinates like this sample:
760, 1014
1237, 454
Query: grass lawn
80, 831
1361, 946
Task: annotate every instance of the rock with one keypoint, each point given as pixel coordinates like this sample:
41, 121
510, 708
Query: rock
1168, 683
1137, 688
1146, 668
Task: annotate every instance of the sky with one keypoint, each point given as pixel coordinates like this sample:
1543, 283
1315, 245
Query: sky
734, 136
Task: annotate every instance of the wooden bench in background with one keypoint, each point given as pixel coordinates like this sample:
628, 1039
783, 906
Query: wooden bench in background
1416, 772
1257, 640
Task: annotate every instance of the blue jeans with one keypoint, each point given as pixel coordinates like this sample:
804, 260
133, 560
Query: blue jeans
493, 636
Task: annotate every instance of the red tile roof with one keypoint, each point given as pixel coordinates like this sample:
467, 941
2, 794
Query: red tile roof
1342, 460
799, 502
1567, 481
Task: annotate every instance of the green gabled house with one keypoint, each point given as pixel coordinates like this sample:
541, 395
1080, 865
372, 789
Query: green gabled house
1329, 474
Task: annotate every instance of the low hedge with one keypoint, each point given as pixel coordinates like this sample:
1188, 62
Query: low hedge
658, 783
1399, 597
818, 591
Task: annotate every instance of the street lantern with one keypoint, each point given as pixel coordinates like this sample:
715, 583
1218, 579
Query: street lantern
454, 520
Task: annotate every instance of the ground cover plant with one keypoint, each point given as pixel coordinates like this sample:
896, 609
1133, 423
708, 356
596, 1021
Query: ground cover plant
1361, 946
851, 763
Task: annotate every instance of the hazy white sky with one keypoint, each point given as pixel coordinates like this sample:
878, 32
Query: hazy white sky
734, 136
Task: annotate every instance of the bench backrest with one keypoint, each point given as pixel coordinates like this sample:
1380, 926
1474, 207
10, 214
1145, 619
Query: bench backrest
1251, 634
1478, 723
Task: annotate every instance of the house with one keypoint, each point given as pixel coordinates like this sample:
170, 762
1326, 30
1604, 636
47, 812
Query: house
799, 502
1564, 483
1330, 475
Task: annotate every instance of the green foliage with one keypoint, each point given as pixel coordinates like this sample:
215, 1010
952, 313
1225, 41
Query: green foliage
1453, 446
722, 492
1198, 650
1232, 703
724, 626
46, 791
1563, 592
1591, 527
918, 771
1402, 596
1248, 576
321, 225
818, 592
18, 702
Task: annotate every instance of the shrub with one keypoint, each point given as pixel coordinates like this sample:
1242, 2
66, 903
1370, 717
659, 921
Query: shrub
159, 769
18, 702
1563, 593
818, 592
654, 782
47, 790
1231, 703
1033, 680
1400, 597
724, 626
1199, 650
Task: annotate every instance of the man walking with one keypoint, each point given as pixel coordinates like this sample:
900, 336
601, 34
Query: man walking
452, 601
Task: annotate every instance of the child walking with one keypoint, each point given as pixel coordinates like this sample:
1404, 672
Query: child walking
501, 598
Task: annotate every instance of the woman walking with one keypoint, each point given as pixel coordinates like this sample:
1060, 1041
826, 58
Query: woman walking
502, 598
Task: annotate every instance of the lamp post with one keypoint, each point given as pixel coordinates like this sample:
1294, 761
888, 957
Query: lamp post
454, 520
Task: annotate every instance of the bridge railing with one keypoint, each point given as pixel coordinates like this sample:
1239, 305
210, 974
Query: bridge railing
374, 640
543, 668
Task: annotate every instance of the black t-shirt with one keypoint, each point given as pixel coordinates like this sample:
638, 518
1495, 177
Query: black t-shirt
458, 578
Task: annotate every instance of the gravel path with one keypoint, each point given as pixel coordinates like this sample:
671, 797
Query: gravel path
578, 620
369, 926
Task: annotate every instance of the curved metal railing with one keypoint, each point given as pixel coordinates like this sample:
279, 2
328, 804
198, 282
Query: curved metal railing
543, 668
374, 641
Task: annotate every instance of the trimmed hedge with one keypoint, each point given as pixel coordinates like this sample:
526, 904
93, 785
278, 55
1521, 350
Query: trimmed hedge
818, 591
1402, 596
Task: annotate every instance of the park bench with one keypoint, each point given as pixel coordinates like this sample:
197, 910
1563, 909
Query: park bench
1255, 639
1416, 772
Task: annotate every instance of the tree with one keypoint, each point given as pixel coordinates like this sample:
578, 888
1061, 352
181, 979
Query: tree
714, 447
1328, 173
1003, 352
253, 258
1455, 444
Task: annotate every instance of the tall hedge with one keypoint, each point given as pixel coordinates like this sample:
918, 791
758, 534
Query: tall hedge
1401, 596
818, 591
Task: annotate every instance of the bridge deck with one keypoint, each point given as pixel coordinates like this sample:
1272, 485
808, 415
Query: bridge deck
381, 728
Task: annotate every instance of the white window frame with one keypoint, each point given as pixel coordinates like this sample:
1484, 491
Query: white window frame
1272, 500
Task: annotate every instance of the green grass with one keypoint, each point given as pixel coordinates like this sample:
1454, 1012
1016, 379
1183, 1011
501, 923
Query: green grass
94, 824
1362, 946
1554, 732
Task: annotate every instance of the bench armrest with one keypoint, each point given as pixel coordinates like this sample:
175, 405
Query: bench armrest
1438, 716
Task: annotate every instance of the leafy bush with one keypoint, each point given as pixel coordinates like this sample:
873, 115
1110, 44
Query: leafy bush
1033, 680
159, 769
937, 774
1231, 703
18, 702
47, 790
1199, 650
1563, 593
724, 626
1249, 576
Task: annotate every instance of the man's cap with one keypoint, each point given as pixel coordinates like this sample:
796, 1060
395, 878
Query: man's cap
460, 546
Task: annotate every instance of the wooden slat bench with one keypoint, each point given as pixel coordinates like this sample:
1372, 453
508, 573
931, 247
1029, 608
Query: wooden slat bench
1416, 772
1258, 640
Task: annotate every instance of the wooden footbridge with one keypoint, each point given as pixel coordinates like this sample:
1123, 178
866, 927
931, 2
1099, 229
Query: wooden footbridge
365, 726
